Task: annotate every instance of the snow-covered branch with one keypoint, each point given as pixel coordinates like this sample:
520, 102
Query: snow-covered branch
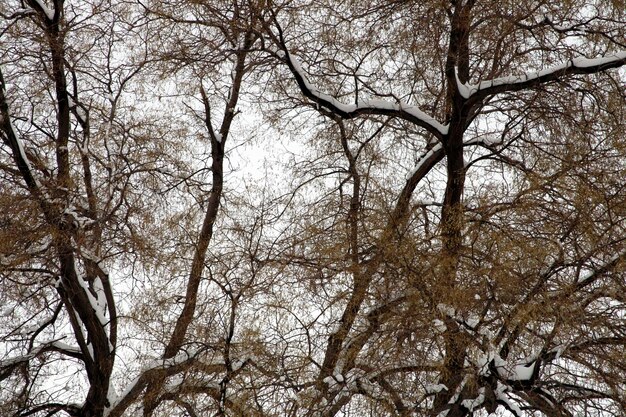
41, 7
399, 109
11, 137
529, 79
434, 154
586, 277
119, 404
7, 365
184, 360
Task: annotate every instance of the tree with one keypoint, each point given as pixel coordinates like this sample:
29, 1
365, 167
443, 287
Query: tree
439, 230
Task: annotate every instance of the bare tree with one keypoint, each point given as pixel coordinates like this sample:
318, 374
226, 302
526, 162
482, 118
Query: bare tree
439, 232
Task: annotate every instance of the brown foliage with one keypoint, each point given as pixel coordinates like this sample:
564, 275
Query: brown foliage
312, 208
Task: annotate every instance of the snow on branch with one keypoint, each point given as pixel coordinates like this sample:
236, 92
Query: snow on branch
517, 82
119, 403
589, 275
41, 6
97, 302
372, 106
501, 394
11, 137
455, 396
435, 153
515, 372
50, 346
475, 403
170, 366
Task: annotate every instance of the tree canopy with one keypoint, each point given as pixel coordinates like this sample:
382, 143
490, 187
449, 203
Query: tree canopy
312, 208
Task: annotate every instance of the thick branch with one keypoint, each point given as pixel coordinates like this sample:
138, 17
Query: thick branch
516, 83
